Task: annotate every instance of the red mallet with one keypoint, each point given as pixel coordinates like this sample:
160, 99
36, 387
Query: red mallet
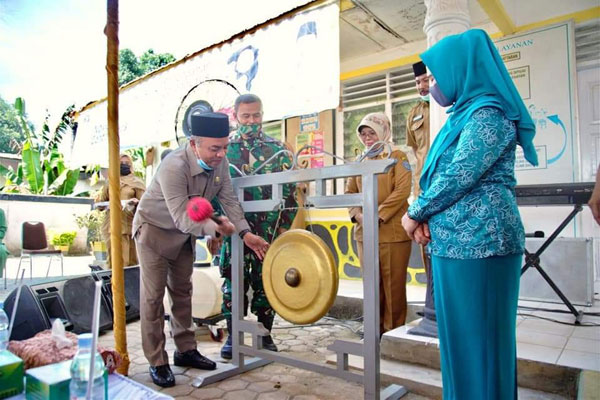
199, 209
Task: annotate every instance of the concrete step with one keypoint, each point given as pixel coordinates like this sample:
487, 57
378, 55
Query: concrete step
398, 345
427, 382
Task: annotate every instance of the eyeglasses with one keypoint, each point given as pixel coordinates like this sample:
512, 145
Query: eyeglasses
364, 134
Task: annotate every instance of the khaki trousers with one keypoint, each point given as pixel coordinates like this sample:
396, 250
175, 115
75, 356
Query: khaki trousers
393, 263
158, 272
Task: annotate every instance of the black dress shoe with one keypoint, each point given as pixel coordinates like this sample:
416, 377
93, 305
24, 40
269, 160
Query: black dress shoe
268, 343
162, 376
192, 358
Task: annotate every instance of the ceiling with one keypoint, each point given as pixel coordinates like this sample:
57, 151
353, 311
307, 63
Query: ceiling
369, 27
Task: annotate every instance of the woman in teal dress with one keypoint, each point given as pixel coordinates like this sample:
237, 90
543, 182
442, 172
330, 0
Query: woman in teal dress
468, 211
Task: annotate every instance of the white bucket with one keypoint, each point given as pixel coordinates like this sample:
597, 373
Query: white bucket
207, 296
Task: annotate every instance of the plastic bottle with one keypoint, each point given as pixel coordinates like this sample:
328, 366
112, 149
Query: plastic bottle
3, 328
80, 371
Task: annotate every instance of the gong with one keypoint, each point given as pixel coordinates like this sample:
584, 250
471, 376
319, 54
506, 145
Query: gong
300, 276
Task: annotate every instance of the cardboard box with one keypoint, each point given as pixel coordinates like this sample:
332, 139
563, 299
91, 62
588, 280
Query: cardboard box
50, 382
11, 374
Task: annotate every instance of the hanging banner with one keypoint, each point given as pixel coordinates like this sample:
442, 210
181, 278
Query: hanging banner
541, 64
293, 66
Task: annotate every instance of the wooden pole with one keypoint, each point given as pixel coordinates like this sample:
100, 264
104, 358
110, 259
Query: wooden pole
114, 188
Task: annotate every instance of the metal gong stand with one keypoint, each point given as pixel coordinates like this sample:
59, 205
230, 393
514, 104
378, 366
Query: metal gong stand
249, 356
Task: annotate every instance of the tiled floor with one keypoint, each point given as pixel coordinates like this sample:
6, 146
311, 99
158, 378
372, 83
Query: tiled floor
560, 341
557, 342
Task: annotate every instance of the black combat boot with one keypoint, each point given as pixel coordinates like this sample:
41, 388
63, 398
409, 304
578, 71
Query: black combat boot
227, 349
267, 320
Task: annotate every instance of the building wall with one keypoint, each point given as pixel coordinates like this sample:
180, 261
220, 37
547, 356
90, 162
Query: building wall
57, 213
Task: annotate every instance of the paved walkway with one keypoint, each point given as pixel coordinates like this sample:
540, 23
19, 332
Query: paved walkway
271, 382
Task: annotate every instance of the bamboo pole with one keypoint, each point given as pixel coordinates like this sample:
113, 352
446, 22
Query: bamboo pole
114, 189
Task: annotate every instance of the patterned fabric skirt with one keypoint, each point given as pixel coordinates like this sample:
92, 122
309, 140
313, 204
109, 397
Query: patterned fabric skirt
476, 307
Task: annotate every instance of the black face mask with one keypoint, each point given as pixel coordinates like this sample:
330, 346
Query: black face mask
125, 169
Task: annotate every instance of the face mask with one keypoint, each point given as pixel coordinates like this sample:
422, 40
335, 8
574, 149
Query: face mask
204, 165
425, 98
125, 169
438, 96
249, 130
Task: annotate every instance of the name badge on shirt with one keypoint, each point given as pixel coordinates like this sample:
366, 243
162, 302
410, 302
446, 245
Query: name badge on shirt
417, 117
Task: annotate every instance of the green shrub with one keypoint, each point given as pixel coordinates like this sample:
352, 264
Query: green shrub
64, 239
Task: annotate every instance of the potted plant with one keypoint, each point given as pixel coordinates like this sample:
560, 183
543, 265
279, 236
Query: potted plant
62, 241
93, 222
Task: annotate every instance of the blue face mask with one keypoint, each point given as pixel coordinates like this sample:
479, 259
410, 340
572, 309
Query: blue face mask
425, 98
204, 165
438, 96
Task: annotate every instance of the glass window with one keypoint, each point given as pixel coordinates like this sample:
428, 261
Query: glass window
352, 145
400, 111
272, 129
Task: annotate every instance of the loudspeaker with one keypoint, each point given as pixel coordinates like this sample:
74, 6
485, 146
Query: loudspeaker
132, 290
30, 317
78, 297
42, 304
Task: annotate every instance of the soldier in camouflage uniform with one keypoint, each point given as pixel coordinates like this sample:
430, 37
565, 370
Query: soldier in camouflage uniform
248, 149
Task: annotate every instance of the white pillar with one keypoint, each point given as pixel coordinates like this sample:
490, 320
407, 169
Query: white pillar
443, 18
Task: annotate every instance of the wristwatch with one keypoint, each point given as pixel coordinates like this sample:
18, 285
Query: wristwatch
243, 233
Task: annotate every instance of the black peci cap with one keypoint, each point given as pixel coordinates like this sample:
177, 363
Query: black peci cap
212, 124
419, 68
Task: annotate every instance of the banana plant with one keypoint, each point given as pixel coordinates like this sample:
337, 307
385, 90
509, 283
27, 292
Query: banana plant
42, 169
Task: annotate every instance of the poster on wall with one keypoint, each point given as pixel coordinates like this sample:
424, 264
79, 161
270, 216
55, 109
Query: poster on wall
311, 134
541, 64
317, 159
292, 65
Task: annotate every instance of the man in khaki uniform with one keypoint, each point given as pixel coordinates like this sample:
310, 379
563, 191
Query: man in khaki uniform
417, 137
165, 238
132, 189
417, 123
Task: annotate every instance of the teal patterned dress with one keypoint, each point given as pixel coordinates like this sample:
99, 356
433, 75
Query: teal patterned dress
470, 205
477, 242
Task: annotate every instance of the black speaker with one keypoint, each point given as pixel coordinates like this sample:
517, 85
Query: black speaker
49, 295
30, 317
132, 290
78, 297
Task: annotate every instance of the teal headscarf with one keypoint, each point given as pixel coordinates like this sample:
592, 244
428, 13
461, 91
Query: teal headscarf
470, 72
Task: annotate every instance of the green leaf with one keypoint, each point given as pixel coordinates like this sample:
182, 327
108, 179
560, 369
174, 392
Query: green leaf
33, 168
49, 174
65, 183
20, 173
20, 105
9, 174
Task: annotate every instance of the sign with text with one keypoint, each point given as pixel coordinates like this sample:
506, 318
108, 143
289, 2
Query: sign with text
541, 65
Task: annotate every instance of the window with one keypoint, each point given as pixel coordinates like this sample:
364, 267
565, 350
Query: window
400, 111
352, 145
273, 129
391, 92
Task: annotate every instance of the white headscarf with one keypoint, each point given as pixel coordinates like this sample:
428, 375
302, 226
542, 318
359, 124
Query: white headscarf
380, 123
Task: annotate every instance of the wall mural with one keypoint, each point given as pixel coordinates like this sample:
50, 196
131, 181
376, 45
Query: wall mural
339, 237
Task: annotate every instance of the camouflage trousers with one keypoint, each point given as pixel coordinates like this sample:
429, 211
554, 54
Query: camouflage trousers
252, 278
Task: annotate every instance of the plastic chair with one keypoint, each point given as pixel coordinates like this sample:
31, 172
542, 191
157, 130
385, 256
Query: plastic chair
34, 244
